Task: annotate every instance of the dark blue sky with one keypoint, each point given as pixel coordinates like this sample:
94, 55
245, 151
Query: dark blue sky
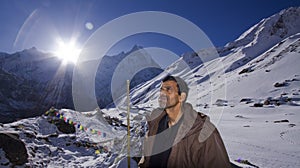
39, 23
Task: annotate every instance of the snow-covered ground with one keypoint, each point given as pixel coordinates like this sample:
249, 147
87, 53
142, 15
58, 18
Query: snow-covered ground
256, 134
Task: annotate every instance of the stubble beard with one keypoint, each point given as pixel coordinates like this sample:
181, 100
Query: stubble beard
164, 102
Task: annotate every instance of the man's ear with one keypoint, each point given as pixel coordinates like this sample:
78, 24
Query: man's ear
182, 97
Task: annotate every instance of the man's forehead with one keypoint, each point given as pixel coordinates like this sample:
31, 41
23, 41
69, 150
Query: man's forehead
169, 83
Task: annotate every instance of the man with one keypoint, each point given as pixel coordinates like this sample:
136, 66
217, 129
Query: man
179, 136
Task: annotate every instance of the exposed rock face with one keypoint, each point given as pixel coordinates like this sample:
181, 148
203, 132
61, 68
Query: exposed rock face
14, 148
64, 127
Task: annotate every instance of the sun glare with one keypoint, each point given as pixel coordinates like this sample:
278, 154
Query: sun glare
68, 52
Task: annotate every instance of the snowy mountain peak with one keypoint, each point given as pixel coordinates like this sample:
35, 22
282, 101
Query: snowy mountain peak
270, 30
262, 36
135, 48
287, 22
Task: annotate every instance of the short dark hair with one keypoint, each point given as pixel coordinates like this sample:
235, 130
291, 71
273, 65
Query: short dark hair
181, 84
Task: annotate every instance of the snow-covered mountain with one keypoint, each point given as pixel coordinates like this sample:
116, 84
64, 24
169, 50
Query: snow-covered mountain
109, 68
38, 78
262, 36
32, 82
251, 93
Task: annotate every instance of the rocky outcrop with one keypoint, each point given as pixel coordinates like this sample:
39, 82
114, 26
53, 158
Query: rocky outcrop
14, 148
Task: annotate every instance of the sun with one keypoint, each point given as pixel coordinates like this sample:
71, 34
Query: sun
68, 52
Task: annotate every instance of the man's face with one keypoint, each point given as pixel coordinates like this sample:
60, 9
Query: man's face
169, 96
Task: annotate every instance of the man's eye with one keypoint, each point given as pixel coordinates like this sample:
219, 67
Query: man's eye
165, 89
169, 90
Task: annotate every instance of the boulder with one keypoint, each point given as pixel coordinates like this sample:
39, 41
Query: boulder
64, 127
14, 148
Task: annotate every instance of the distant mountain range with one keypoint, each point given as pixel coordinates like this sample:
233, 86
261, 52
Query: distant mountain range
32, 81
